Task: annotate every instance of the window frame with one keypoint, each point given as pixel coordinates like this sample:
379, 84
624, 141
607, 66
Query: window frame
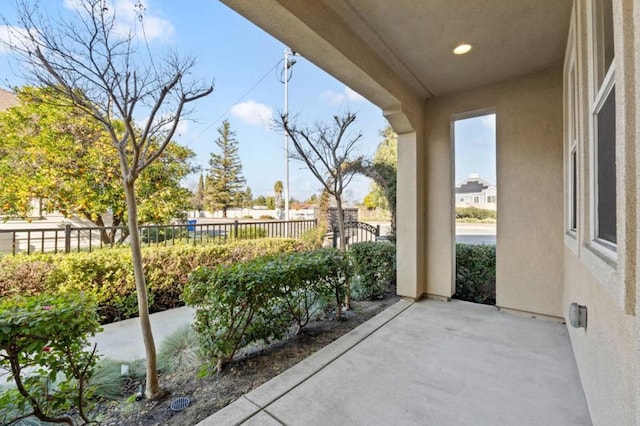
601, 87
606, 89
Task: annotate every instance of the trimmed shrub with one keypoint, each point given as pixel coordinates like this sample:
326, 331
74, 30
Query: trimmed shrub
42, 342
314, 237
374, 267
107, 274
475, 214
266, 216
258, 300
160, 234
476, 273
245, 233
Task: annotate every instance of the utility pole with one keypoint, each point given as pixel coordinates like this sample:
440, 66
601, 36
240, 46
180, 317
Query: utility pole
288, 63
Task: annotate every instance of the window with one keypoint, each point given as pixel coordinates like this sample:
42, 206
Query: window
573, 147
491, 199
476, 199
606, 169
604, 126
462, 200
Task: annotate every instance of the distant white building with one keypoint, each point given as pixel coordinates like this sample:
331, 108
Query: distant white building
476, 192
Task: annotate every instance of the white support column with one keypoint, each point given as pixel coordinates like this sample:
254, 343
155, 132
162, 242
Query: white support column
410, 207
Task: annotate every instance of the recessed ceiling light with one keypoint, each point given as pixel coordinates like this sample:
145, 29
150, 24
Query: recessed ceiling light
461, 49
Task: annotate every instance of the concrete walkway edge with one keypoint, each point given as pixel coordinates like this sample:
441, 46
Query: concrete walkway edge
255, 402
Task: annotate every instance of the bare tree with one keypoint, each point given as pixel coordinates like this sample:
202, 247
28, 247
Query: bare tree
100, 70
329, 151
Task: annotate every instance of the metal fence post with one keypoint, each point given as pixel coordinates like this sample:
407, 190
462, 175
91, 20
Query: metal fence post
235, 228
335, 238
377, 230
67, 238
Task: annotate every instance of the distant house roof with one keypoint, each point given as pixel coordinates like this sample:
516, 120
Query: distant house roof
474, 184
7, 100
471, 187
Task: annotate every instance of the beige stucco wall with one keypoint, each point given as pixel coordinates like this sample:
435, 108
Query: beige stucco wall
608, 351
529, 180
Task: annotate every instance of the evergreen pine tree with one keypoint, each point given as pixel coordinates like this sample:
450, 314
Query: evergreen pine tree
225, 183
197, 201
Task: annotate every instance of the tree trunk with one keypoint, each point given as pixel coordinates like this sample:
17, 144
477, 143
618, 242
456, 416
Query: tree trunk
343, 247
152, 385
104, 235
224, 212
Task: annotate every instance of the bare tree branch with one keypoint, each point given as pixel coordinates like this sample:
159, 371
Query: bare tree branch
99, 71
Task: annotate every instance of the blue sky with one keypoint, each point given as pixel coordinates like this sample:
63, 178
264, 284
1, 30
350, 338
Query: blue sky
238, 56
475, 147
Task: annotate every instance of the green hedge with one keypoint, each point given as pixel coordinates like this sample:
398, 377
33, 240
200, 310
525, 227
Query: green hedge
476, 273
258, 300
107, 274
249, 233
374, 268
475, 214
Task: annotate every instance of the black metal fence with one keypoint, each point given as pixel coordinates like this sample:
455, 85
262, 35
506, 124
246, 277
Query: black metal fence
70, 238
356, 232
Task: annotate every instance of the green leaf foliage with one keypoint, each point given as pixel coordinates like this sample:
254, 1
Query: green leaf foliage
107, 274
258, 300
248, 233
374, 268
475, 214
42, 347
476, 273
65, 158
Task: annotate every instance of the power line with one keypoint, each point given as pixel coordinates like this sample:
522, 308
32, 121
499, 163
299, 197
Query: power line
236, 102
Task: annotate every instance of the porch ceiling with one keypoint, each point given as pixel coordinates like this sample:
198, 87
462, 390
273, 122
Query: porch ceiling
413, 39
416, 38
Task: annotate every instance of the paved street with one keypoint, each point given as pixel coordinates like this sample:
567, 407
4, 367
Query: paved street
476, 233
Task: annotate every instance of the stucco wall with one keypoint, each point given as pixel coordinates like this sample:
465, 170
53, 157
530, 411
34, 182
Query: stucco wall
529, 181
608, 351
605, 350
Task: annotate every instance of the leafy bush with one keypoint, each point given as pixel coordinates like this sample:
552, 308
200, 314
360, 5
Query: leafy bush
107, 274
266, 216
258, 300
158, 235
476, 273
251, 233
42, 347
374, 267
314, 237
475, 214
311, 280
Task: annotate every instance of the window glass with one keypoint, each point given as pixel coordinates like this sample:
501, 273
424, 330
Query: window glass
574, 190
606, 169
605, 47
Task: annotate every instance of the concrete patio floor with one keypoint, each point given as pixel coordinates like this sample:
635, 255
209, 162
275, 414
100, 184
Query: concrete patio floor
427, 363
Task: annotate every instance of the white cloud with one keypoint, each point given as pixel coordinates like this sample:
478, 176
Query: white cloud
10, 35
338, 98
155, 27
253, 113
